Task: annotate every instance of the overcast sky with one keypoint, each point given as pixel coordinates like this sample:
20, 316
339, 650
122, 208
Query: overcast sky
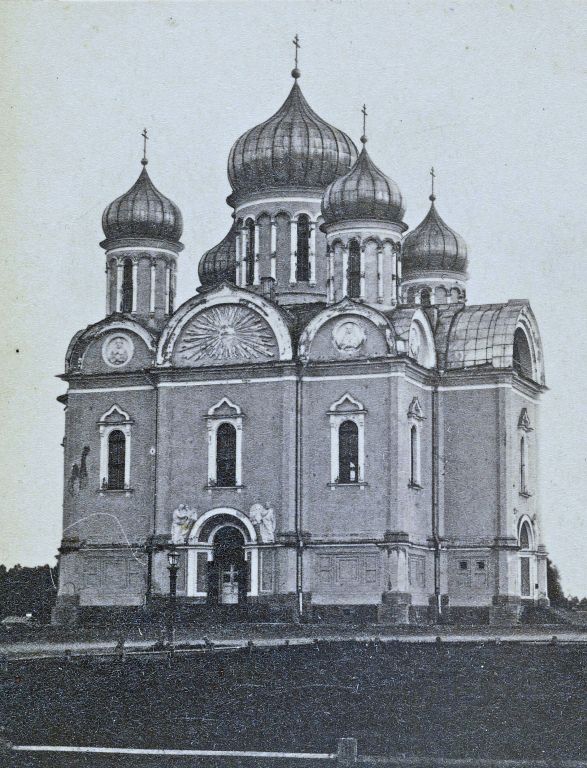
492, 94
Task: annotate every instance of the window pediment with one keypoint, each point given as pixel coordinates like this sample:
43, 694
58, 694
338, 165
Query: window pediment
347, 404
524, 421
224, 408
115, 415
415, 410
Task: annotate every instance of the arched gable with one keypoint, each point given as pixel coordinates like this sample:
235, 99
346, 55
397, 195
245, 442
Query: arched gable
222, 513
485, 335
421, 340
225, 325
110, 345
347, 330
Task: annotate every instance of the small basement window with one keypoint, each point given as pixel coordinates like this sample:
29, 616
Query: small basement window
463, 565
480, 565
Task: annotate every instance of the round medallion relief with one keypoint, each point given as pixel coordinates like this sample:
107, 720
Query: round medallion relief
117, 350
348, 336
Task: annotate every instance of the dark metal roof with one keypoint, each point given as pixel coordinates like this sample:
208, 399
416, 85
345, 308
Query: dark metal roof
143, 212
293, 148
219, 263
364, 192
433, 245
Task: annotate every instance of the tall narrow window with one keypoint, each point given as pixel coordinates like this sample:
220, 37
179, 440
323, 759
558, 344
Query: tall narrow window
425, 297
414, 473
523, 465
354, 270
116, 460
525, 542
226, 455
127, 286
348, 452
250, 252
303, 249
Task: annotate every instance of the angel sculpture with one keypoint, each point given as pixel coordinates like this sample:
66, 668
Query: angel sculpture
182, 521
264, 518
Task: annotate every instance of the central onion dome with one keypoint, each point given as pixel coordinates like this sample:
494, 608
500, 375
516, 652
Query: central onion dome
364, 192
434, 246
219, 263
143, 212
293, 149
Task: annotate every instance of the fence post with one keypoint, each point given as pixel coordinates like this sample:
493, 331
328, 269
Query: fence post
346, 753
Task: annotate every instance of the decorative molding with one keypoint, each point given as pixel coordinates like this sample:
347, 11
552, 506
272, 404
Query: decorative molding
213, 412
348, 336
226, 333
524, 421
117, 350
415, 410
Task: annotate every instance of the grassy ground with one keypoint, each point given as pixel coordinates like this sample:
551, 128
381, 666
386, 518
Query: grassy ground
469, 700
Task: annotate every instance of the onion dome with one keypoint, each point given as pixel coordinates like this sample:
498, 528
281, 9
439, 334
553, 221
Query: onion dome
433, 245
293, 149
143, 212
219, 263
364, 192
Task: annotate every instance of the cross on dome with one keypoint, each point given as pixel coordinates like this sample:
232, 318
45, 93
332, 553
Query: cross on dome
295, 73
432, 197
364, 136
145, 136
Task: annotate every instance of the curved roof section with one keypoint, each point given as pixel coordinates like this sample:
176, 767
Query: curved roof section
84, 338
294, 148
483, 335
434, 246
143, 212
219, 263
364, 192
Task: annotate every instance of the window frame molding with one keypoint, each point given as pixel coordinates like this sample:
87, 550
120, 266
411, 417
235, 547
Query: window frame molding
213, 421
106, 427
336, 418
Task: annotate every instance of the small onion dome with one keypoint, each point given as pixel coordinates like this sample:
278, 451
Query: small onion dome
219, 263
364, 192
294, 148
433, 245
143, 212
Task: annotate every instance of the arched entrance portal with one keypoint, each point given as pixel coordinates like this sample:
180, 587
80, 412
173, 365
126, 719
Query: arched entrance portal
223, 559
228, 570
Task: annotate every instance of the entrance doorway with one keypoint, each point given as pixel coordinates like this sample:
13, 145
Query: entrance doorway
229, 572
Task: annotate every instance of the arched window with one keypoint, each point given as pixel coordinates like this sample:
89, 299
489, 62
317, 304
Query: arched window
523, 465
348, 452
525, 537
250, 252
303, 249
116, 460
525, 542
455, 295
425, 297
354, 270
226, 455
522, 357
127, 288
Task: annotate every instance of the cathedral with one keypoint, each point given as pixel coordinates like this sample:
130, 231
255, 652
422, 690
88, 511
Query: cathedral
325, 431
